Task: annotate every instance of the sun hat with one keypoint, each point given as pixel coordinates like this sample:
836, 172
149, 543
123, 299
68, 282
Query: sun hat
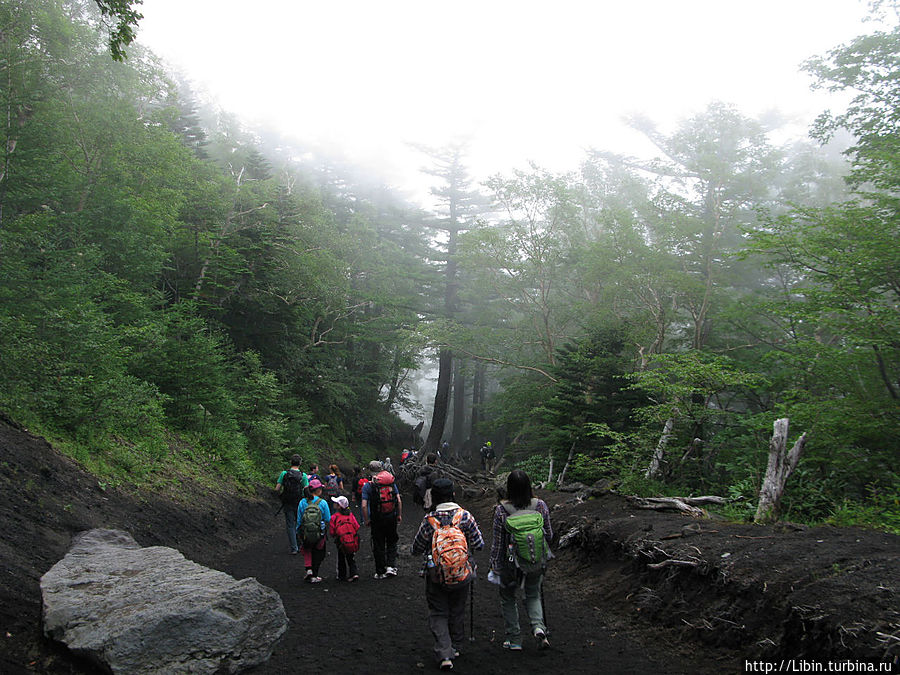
375, 466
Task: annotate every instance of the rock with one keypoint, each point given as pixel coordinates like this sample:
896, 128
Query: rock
150, 610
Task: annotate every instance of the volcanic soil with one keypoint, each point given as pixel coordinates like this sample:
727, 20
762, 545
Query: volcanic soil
731, 594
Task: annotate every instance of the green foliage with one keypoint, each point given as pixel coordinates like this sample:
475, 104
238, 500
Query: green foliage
880, 509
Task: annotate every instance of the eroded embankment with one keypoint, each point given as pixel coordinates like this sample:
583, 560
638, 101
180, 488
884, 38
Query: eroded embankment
757, 592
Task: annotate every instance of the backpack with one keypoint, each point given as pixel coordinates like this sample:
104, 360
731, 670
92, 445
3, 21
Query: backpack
346, 536
384, 500
311, 523
528, 549
449, 551
331, 488
292, 487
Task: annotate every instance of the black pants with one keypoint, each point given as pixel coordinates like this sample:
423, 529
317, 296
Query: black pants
384, 543
346, 564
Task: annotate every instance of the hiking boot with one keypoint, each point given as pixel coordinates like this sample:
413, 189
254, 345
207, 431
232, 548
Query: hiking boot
541, 637
446, 664
512, 646
390, 572
309, 575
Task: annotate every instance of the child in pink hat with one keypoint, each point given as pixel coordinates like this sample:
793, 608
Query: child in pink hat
311, 528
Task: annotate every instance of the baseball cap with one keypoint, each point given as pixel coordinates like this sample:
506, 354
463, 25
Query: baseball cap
341, 501
315, 484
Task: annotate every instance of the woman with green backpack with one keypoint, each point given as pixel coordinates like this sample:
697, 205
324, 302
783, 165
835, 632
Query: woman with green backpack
519, 554
313, 516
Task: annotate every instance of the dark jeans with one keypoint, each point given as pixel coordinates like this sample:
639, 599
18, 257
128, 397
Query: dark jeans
346, 564
290, 524
384, 543
446, 617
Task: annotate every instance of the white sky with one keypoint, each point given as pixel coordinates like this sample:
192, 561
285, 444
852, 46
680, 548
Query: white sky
539, 81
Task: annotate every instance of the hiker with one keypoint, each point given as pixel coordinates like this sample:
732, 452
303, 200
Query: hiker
423, 482
519, 553
387, 465
290, 486
404, 455
360, 478
445, 451
382, 511
487, 455
446, 536
333, 484
344, 528
313, 516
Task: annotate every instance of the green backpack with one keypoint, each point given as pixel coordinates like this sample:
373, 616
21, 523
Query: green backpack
311, 523
528, 548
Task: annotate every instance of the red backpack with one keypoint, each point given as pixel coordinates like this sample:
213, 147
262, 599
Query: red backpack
346, 532
384, 500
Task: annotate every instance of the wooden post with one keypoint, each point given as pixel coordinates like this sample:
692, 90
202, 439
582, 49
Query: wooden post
781, 464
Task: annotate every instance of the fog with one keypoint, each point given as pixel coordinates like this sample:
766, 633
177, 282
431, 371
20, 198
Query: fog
521, 81
525, 81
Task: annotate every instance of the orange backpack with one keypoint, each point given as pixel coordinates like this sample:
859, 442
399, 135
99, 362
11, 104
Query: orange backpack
450, 552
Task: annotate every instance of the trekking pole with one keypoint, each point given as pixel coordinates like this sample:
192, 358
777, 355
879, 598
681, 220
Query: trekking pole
544, 607
472, 611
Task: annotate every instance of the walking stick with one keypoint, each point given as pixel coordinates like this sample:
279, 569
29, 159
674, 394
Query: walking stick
544, 605
472, 611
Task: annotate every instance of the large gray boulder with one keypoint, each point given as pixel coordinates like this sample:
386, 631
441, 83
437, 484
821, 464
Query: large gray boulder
150, 610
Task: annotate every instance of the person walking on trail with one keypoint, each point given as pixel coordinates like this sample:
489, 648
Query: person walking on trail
519, 555
313, 516
333, 483
290, 486
382, 511
344, 529
447, 536
422, 485
487, 456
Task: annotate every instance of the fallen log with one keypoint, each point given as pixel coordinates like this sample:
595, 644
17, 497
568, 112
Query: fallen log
683, 504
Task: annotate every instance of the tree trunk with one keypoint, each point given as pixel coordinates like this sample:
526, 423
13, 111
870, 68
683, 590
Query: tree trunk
458, 432
562, 476
658, 454
781, 464
550, 472
441, 402
477, 400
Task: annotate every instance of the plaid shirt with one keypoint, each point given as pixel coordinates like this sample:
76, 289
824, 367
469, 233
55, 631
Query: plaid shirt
499, 542
444, 513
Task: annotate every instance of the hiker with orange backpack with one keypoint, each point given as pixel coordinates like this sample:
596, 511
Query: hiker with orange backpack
344, 528
446, 536
382, 510
520, 552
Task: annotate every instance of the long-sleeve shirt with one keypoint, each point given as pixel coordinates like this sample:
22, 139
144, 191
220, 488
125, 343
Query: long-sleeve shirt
444, 513
323, 509
500, 540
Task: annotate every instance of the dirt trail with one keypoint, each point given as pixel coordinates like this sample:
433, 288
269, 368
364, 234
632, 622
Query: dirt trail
379, 626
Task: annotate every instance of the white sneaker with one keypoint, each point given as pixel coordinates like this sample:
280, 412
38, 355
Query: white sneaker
380, 576
391, 572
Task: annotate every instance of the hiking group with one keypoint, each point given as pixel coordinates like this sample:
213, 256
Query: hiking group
445, 539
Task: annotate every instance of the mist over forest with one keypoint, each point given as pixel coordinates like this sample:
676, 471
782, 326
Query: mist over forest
181, 288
